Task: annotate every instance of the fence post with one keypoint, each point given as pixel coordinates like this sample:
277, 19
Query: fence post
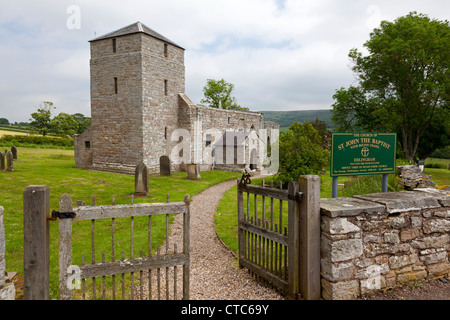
65, 247
310, 237
36, 209
293, 241
241, 241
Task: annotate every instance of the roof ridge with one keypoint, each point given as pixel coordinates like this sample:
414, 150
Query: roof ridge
135, 28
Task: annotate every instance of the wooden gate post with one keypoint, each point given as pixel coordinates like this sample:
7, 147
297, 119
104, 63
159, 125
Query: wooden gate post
293, 240
65, 247
310, 237
36, 209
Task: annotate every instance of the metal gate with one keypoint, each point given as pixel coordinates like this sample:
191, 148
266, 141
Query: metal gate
71, 275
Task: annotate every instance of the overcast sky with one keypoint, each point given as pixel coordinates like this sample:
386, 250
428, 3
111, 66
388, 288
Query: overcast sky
280, 54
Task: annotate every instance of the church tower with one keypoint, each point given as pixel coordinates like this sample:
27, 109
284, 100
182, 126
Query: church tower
136, 76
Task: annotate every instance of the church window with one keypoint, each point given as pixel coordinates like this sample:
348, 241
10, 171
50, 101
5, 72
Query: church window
114, 45
208, 140
115, 86
87, 144
165, 87
166, 50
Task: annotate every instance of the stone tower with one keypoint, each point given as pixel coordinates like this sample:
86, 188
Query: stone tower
136, 76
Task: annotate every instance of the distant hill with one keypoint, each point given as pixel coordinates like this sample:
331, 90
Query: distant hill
286, 118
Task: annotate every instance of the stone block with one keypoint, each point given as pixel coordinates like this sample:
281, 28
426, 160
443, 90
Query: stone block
8, 292
344, 290
396, 262
341, 250
438, 270
441, 241
411, 277
409, 234
402, 201
436, 225
347, 207
337, 225
336, 271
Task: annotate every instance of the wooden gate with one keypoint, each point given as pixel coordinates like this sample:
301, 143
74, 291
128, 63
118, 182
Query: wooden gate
284, 253
117, 268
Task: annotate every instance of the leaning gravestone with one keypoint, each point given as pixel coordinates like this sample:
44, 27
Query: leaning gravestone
2, 161
164, 166
9, 161
193, 171
14, 152
141, 180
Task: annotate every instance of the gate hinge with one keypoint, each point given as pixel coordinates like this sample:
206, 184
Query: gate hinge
62, 215
297, 196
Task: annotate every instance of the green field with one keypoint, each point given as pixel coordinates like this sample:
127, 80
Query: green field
55, 168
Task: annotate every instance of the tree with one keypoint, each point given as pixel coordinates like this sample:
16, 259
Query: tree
218, 95
4, 121
403, 81
300, 152
63, 125
40, 120
83, 122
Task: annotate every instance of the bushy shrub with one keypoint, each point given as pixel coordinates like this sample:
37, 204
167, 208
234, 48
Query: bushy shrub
19, 140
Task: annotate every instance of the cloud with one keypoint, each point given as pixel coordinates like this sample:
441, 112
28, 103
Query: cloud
280, 54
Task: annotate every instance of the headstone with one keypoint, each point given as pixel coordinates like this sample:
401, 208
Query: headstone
141, 180
193, 171
2, 161
164, 166
14, 152
9, 161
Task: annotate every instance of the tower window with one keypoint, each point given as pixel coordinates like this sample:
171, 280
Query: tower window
208, 140
165, 133
165, 87
87, 144
166, 50
114, 45
115, 86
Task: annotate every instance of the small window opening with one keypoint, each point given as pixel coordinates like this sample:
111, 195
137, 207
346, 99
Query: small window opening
166, 50
165, 87
228, 120
114, 45
87, 144
115, 86
165, 133
208, 140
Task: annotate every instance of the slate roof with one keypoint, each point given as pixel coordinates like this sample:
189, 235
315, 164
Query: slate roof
135, 28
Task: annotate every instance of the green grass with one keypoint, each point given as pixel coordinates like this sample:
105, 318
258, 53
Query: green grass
55, 168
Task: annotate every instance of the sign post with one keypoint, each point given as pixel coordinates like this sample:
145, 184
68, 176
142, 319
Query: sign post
362, 153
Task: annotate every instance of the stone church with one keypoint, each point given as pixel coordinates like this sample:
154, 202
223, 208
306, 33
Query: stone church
140, 112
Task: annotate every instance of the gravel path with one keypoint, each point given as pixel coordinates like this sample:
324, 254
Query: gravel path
214, 272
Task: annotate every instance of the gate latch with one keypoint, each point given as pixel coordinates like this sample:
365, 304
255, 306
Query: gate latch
62, 215
296, 197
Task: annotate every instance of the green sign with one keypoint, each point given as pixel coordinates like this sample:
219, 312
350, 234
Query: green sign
362, 153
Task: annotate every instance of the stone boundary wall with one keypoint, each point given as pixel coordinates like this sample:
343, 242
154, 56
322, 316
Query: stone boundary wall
384, 240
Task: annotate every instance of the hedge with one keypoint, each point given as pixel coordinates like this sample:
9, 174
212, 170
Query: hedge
38, 140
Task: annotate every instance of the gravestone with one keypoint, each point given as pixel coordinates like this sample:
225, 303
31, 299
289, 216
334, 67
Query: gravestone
193, 171
164, 166
9, 161
14, 152
141, 180
2, 161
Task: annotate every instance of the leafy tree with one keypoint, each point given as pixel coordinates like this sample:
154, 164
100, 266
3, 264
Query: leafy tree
40, 120
4, 121
300, 152
218, 95
403, 82
83, 122
63, 125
